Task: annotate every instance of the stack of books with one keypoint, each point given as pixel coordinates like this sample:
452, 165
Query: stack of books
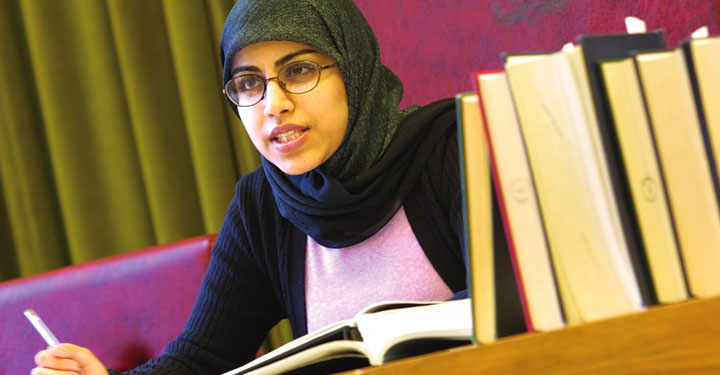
603, 159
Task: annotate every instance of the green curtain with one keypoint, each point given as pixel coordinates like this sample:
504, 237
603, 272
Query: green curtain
114, 133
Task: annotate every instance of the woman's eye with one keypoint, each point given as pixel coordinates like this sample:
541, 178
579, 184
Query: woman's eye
248, 83
299, 71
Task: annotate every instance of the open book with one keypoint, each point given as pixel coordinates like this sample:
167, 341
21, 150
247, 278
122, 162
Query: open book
380, 333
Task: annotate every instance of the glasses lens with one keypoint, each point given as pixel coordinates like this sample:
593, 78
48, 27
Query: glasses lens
246, 89
300, 76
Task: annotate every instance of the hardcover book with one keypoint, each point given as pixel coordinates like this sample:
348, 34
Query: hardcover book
684, 163
639, 157
596, 48
515, 192
592, 266
477, 213
497, 308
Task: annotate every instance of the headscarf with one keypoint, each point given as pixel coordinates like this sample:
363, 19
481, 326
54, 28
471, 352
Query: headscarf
354, 193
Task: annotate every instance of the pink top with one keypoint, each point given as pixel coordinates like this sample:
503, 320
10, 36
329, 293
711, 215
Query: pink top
390, 265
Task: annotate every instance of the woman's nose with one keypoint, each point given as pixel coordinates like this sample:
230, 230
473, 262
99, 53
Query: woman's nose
276, 99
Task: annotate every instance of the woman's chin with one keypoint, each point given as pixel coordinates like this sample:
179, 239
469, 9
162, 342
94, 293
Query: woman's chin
297, 164
294, 169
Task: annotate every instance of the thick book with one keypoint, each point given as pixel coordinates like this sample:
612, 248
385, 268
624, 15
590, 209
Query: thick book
592, 266
684, 164
616, 208
515, 192
380, 333
639, 158
497, 308
596, 48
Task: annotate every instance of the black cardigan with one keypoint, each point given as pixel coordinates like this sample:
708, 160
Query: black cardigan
257, 272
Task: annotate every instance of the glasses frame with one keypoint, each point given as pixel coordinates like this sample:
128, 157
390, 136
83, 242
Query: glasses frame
280, 83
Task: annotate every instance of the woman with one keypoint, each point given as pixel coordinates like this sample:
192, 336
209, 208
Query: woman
356, 201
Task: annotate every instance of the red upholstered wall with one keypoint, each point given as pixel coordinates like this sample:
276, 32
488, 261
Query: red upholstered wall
433, 46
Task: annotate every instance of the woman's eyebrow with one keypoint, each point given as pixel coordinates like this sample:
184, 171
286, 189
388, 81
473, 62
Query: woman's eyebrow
244, 68
280, 62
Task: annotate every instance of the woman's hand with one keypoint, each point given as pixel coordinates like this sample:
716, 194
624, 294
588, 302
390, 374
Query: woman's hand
67, 359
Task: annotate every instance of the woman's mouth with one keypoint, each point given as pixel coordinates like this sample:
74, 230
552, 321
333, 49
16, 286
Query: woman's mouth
288, 136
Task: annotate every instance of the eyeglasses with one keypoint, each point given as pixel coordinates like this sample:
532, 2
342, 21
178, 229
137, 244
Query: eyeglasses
297, 77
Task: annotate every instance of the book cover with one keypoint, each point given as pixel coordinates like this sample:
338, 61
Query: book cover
515, 192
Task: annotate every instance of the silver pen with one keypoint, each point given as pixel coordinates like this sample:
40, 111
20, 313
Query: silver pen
40, 326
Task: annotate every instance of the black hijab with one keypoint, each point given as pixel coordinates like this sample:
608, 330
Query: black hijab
355, 192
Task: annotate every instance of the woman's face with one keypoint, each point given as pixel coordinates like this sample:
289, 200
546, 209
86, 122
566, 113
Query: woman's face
295, 132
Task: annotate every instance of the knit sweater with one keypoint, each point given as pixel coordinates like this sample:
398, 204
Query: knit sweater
256, 274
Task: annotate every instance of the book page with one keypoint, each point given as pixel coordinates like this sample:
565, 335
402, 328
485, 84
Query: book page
447, 320
391, 305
